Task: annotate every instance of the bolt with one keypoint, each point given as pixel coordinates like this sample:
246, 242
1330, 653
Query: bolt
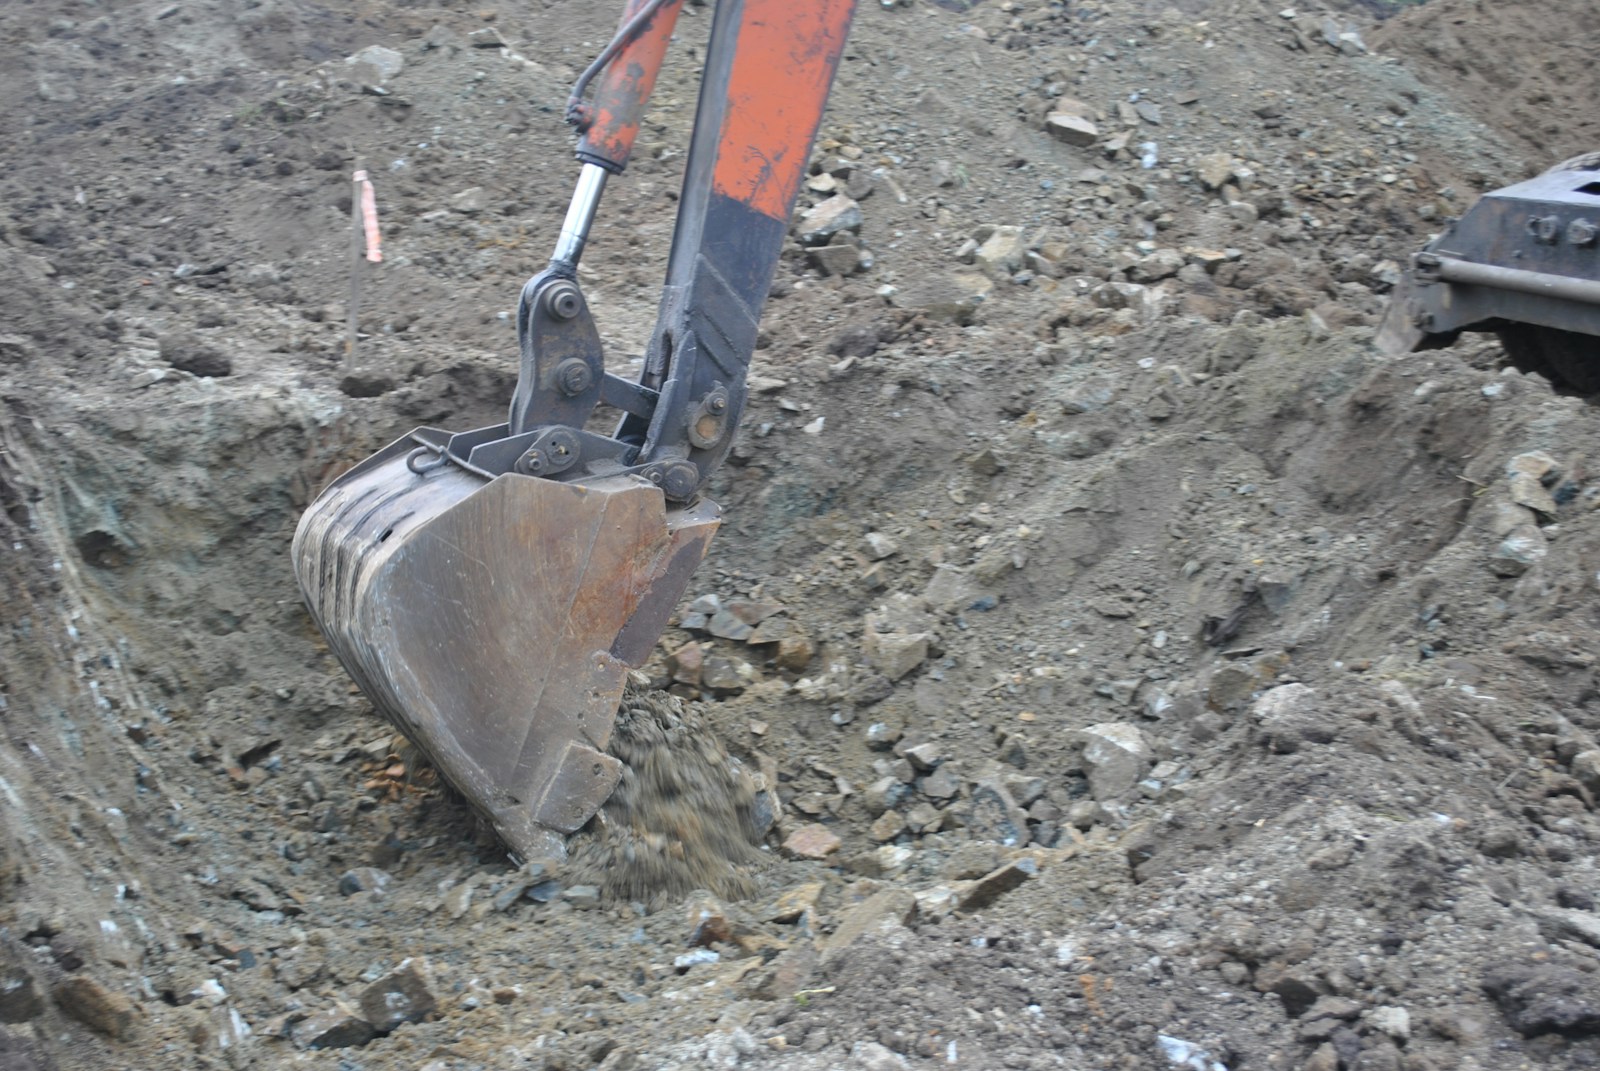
573, 376
563, 300
534, 461
718, 403
1545, 230
1582, 232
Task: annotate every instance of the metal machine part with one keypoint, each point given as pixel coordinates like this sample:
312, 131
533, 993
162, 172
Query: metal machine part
1523, 262
488, 589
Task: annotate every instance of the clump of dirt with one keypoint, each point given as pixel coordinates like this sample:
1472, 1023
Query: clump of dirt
685, 816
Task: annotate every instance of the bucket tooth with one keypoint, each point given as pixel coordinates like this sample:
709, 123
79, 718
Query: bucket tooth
493, 621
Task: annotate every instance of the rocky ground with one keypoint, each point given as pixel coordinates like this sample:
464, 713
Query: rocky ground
1148, 672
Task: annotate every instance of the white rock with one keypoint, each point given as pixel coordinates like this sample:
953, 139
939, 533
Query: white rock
880, 546
824, 220
1118, 756
1396, 1022
384, 63
1001, 251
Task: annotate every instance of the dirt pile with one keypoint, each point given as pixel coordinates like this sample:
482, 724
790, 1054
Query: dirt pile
1147, 672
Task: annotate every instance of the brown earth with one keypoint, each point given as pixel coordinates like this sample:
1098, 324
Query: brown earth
1191, 686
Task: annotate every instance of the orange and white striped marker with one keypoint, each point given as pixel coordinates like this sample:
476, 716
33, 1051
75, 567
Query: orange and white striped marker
369, 217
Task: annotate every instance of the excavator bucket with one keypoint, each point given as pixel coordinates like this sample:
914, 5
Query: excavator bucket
493, 621
488, 589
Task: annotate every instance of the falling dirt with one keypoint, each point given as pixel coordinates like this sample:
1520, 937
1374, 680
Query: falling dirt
1145, 672
684, 817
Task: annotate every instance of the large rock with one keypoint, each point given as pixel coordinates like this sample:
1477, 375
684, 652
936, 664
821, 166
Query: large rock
1116, 756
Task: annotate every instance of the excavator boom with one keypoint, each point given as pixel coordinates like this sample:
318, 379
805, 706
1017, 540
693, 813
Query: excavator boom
489, 589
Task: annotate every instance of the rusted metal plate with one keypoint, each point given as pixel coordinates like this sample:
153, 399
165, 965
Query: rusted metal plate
493, 621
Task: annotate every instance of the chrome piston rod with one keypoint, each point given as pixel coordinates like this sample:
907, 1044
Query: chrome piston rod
580, 214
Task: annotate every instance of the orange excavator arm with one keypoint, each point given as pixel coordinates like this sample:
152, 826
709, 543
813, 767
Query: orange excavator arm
489, 589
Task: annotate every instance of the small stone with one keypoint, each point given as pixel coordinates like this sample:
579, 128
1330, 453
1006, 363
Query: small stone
924, 818
822, 221
92, 1004
20, 999
943, 783
884, 793
888, 825
871, 1056
1162, 264
470, 202
1214, 170
924, 756
986, 463
376, 64
338, 1027
772, 630
256, 896
582, 897
727, 676
363, 879
457, 900
895, 654
881, 736
880, 546
1535, 463
1086, 814
989, 888
993, 815
883, 910
726, 625
1585, 767
1148, 111
795, 902
836, 258
795, 652
1527, 491
1024, 789
1072, 129
873, 688
1002, 251
56, 89
686, 664
705, 604
404, 995
1325, 1058
812, 841
1522, 548
949, 299
1393, 1021
367, 383
1117, 756
708, 923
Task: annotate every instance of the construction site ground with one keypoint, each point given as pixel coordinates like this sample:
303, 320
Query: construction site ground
1148, 673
